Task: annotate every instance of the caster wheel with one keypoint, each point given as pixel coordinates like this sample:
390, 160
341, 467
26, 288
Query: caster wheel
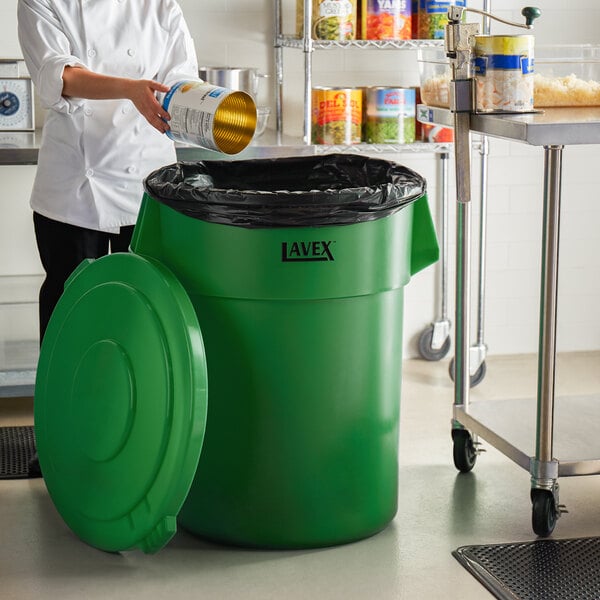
464, 452
476, 378
543, 513
425, 349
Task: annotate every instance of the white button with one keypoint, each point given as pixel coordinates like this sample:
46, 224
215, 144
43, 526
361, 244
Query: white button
131, 52
88, 112
125, 109
91, 52
89, 172
131, 169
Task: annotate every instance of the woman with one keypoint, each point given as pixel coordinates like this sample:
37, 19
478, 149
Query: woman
97, 66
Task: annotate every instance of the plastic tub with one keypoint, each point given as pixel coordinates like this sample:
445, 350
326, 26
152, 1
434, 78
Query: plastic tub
567, 75
434, 75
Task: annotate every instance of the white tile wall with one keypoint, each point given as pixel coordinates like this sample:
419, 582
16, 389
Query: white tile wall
239, 33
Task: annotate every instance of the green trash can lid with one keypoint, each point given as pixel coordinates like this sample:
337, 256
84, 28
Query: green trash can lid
120, 402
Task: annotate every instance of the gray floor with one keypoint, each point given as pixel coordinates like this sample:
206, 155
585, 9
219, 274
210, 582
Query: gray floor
439, 511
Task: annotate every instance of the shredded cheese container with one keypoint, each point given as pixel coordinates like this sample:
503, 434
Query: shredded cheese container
503, 67
210, 116
567, 75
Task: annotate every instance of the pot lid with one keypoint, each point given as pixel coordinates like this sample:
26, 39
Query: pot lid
120, 402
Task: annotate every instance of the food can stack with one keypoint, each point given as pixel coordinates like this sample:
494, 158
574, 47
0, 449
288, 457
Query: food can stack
346, 20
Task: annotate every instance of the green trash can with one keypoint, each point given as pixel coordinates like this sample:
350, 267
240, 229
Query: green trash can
280, 283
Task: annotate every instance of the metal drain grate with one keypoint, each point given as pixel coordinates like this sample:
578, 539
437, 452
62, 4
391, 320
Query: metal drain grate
540, 570
17, 446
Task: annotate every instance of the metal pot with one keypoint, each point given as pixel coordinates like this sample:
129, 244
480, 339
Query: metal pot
232, 78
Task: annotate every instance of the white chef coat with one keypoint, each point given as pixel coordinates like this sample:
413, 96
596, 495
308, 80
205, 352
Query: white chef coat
95, 154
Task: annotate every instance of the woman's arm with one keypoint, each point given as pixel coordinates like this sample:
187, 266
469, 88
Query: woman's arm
79, 82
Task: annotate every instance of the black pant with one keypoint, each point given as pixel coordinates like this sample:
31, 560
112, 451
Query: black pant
62, 247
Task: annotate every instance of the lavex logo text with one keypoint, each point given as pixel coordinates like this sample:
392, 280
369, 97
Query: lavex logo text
306, 251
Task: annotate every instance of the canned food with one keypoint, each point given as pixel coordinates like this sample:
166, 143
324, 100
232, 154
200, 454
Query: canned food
436, 133
331, 19
386, 19
210, 116
433, 18
503, 66
390, 115
336, 115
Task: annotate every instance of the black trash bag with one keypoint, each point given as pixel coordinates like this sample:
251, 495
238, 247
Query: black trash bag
332, 189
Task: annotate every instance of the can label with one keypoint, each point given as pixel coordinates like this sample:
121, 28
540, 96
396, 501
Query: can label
390, 115
192, 106
331, 20
386, 19
503, 67
194, 110
336, 115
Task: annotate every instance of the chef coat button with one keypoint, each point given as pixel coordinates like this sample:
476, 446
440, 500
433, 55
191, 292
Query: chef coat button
88, 112
91, 52
89, 172
131, 169
131, 52
125, 109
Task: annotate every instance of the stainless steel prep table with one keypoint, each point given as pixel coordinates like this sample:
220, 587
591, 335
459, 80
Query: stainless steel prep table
524, 429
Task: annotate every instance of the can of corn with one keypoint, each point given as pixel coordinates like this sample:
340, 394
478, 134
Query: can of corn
337, 115
390, 115
503, 67
210, 116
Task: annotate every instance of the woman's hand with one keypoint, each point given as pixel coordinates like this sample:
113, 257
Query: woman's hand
142, 92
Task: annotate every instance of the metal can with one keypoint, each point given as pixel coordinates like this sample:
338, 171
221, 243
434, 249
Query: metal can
210, 116
386, 19
390, 115
503, 66
336, 115
433, 18
331, 19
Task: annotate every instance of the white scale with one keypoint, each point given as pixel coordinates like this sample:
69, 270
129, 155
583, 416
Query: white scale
16, 97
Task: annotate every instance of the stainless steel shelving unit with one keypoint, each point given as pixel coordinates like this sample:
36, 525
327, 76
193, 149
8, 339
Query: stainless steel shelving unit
535, 432
308, 46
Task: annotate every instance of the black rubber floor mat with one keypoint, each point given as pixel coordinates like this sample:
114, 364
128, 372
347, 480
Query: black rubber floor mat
17, 447
540, 570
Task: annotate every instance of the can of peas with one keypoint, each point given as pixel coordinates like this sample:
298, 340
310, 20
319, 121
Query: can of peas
390, 115
331, 19
433, 18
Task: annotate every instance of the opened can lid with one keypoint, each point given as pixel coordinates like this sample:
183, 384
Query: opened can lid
120, 402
